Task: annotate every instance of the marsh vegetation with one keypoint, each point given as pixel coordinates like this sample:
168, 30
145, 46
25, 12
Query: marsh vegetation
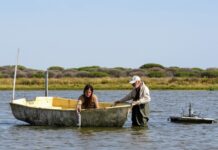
155, 76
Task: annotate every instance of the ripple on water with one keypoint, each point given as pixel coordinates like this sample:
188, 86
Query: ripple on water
160, 134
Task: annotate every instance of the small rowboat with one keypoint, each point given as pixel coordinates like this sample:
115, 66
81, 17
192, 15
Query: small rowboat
56, 111
191, 118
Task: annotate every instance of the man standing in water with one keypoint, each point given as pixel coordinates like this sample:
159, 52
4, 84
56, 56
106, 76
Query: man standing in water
140, 97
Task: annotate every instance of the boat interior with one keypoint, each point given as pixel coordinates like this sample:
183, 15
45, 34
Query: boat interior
56, 103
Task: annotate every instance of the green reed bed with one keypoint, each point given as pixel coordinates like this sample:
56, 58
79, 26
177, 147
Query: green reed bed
110, 83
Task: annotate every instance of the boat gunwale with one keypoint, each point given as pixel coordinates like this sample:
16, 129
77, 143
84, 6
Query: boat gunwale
71, 109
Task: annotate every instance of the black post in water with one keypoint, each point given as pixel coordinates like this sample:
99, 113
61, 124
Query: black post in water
46, 83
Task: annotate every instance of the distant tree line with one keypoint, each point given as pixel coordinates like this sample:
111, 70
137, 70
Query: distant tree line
147, 70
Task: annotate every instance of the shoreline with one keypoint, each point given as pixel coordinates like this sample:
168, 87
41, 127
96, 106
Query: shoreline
108, 83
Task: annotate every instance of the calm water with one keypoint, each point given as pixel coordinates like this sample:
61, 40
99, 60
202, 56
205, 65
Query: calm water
160, 133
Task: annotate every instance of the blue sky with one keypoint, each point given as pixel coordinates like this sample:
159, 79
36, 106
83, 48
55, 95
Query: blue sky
109, 33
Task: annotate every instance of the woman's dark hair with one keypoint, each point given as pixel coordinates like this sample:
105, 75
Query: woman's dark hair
87, 87
88, 100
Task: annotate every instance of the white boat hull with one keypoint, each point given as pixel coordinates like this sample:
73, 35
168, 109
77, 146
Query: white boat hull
39, 112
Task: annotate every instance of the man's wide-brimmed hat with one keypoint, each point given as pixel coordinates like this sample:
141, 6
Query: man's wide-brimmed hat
134, 79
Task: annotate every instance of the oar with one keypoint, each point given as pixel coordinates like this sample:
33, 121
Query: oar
130, 109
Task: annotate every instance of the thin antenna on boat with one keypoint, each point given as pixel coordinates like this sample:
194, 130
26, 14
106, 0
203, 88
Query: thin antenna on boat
15, 74
46, 83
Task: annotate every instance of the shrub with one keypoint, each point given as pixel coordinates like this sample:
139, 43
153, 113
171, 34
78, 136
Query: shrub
156, 74
6, 76
156, 69
138, 72
38, 74
88, 68
56, 68
69, 74
210, 73
51, 74
151, 65
121, 68
21, 74
83, 74
98, 74
113, 72
19, 67
197, 69
185, 72
55, 74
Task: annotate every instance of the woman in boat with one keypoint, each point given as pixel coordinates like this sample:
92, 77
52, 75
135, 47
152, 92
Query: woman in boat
88, 99
140, 102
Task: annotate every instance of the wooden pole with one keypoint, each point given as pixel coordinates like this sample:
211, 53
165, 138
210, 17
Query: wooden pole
46, 83
15, 74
